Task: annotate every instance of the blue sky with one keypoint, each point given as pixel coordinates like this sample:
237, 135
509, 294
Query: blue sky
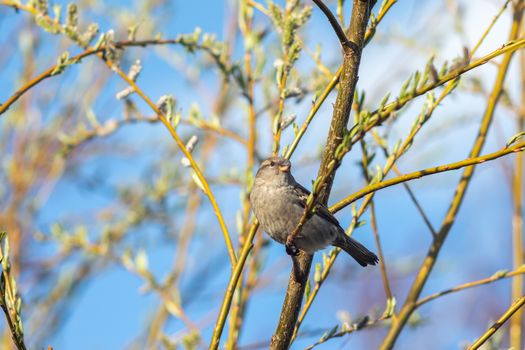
111, 310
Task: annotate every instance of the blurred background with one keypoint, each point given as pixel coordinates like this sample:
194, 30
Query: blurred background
113, 244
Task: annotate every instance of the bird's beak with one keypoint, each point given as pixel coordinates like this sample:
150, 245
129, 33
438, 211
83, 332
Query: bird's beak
285, 168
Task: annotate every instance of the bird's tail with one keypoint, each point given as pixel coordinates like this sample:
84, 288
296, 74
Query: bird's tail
358, 251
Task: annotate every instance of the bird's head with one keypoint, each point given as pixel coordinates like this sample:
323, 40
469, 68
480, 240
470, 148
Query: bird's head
276, 169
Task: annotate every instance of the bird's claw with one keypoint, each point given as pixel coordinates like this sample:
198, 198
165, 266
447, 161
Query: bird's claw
291, 249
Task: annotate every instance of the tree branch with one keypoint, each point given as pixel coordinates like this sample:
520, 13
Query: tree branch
348, 79
516, 323
425, 172
334, 81
232, 285
496, 277
513, 308
379, 116
369, 323
52, 71
9, 296
335, 24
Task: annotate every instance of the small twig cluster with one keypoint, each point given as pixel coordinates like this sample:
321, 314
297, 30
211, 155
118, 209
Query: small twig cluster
10, 299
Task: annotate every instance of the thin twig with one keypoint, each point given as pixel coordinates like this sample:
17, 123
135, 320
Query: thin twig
41, 77
187, 154
353, 328
334, 23
489, 28
513, 308
378, 117
9, 298
406, 186
382, 263
239, 302
496, 277
425, 172
373, 223
88, 52
232, 285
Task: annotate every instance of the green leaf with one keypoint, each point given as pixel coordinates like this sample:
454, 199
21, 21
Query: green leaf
415, 82
317, 274
325, 259
72, 16
444, 69
276, 14
332, 331
62, 62
57, 10
360, 223
515, 138
92, 118
390, 308
308, 289
500, 274
404, 87
384, 101
132, 31
396, 146
431, 99
362, 323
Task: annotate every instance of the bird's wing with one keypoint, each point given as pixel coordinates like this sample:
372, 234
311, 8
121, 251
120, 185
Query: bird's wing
320, 209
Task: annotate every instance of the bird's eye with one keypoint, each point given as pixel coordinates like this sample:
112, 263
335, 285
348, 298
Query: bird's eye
272, 163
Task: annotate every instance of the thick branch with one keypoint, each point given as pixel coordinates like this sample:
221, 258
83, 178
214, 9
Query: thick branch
341, 114
335, 80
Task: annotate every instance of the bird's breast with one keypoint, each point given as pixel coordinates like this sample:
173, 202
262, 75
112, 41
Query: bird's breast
275, 210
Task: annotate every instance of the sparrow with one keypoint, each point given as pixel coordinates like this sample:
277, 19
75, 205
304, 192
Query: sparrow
278, 202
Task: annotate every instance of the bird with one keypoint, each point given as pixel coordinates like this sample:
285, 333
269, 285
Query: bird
278, 202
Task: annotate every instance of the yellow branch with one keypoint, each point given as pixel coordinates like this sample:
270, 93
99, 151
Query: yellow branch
425, 172
493, 278
182, 146
513, 308
232, 285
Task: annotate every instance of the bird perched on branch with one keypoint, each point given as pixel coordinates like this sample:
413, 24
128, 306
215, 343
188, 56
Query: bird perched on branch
278, 202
